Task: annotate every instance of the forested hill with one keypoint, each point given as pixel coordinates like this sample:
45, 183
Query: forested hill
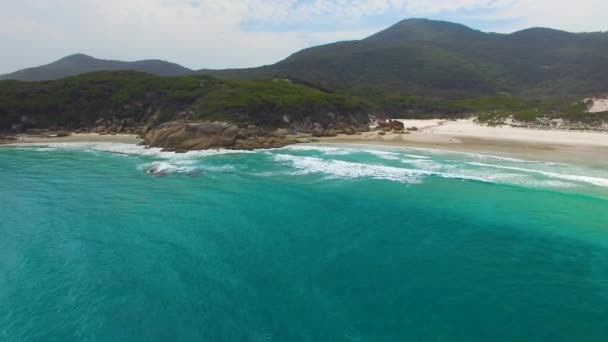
80, 64
415, 69
136, 99
141, 98
425, 57
417, 57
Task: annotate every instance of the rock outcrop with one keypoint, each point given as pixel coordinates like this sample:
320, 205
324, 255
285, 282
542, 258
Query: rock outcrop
116, 126
184, 136
390, 125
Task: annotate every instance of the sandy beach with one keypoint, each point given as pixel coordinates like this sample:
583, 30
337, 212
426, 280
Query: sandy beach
81, 137
467, 136
454, 135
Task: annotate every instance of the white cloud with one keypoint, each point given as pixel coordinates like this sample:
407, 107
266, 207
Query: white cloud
241, 33
290, 11
575, 16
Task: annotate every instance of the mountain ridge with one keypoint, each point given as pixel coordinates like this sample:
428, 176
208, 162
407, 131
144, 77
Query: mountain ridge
80, 63
427, 57
419, 57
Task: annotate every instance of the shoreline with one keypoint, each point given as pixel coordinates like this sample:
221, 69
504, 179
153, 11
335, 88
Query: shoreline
449, 135
77, 137
506, 141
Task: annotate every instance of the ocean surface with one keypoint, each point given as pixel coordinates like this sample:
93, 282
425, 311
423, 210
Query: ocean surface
114, 242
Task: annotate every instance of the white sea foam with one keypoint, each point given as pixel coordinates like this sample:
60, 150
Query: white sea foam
384, 154
493, 176
131, 149
576, 178
181, 166
170, 162
509, 159
163, 168
546, 183
343, 169
406, 152
440, 152
427, 164
415, 156
335, 151
327, 150
422, 168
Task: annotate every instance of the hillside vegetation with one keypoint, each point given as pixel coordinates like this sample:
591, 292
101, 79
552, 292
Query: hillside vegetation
415, 57
80, 101
434, 58
415, 69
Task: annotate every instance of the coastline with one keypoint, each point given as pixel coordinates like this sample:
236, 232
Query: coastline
467, 136
451, 135
77, 137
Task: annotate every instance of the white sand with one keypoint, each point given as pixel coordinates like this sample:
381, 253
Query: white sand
467, 128
84, 137
600, 104
468, 136
458, 135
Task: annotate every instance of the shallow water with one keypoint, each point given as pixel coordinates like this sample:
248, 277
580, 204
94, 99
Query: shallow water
114, 242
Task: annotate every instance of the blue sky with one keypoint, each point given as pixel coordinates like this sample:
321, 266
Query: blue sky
246, 33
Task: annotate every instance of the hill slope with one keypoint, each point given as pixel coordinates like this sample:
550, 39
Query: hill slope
80, 101
425, 57
79, 64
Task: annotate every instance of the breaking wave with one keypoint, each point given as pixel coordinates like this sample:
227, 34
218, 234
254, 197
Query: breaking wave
422, 168
128, 149
327, 150
170, 162
576, 178
404, 165
343, 169
162, 168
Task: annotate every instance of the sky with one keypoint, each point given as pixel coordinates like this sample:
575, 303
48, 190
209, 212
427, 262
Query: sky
246, 33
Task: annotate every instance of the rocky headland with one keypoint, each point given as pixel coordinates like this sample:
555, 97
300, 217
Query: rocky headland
185, 136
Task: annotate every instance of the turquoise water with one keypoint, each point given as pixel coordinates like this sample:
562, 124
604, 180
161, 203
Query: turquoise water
304, 243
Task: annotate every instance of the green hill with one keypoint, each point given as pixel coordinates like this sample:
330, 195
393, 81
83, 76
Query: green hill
78, 102
79, 64
435, 58
415, 57
146, 99
415, 69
